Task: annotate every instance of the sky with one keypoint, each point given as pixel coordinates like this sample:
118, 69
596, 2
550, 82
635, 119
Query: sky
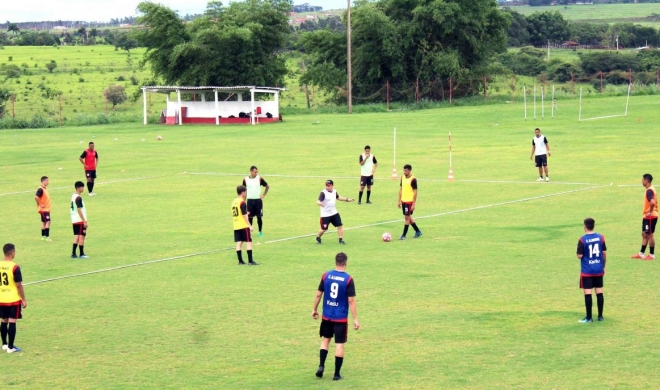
104, 10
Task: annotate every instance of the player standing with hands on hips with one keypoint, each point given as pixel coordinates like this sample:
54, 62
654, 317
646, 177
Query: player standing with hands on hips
368, 165
79, 220
255, 205
337, 289
242, 227
43, 208
540, 153
329, 214
649, 218
408, 200
592, 252
90, 160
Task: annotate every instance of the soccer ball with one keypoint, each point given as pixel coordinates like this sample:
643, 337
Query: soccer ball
159, 138
387, 237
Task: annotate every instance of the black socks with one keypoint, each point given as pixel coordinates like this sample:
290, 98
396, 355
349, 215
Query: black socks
11, 331
405, 229
338, 362
323, 354
260, 223
249, 252
360, 196
73, 251
90, 186
601, 302
82, 250
588, 301
3, 332
368, 195
414, 225
240, 256
643, 249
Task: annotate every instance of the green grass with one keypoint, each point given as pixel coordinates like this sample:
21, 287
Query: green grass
645, 13
487, 298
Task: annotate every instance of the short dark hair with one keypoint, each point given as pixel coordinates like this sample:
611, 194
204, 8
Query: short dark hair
537, 129
408, 167
8, 248
252, 168
91, 143
79, 184
330, 182
240, 189
648, 177
341, 258
44, 178
589, 223
367, 147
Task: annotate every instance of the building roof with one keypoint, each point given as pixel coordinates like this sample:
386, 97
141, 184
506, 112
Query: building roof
241, 88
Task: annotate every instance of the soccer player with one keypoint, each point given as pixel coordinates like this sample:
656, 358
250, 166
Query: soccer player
540, 152
329, 213
79, 220
407, 200
337, 289
592, 252
90, 160
255, 206
43, 208
649, 218
242, 226
368, 165
12, 298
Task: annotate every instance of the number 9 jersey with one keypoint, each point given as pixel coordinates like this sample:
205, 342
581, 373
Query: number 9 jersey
337, 287
592, 247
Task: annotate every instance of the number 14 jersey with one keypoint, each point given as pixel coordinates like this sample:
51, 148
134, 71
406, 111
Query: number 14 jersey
591, 247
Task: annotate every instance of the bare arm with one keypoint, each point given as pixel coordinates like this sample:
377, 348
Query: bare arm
414, 199
82, 161
579, 256
245, 218
353, 306
399, 205
547, 145
317, 300
265, 191
37, 199
533, 149
21, 293
374, 170
604, 259
341, 198
82, 217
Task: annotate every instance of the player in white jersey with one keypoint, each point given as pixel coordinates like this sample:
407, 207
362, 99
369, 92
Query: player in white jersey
540, 153
368, 165
79, 220
329, 214
255, 206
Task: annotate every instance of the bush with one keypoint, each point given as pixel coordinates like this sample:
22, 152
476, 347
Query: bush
12, 71
593, 63
11, 58
115, 94
134, 80
121, 78
562, 73
81, 80
51, 65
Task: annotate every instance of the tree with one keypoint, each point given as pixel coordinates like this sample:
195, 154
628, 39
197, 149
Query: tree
5, 95
13, 27
517, 32
93, 33
82, 33
547, 26
125, 42
51, 66
115, 94
234, 45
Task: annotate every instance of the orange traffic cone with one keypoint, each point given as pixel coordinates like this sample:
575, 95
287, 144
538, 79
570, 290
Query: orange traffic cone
451, 175
394, 176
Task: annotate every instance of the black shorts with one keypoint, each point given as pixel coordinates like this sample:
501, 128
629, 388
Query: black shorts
90, 174
45, 216
79, 229
242, 235
366, 181
648, 225
335, 220
255, 208
541, 161
337, 329
11, 312
589, 282
406, 208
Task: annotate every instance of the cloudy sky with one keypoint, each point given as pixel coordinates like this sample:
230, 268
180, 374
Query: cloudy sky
104, 10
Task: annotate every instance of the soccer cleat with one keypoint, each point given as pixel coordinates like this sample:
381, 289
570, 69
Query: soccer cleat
74, 256
418, 234
342, 242
648, 257
319, 372
638, 256
83, 257
318, 240
337, 378
586, 320
48, 239
403, 237
260, 234
91, 194
601, 319
547, 178
539, 179
12, 350
4, 347
252, 263
369, 202
241, 262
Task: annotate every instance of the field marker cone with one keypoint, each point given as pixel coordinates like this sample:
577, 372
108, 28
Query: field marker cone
394, 175
451, 175
639, 120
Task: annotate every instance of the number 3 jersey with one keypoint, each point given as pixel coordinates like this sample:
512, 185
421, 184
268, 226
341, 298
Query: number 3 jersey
337, 287
591, 247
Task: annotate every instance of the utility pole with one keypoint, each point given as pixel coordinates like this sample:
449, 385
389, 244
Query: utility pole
348, 55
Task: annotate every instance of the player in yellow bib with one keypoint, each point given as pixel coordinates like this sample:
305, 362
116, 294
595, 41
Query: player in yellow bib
408, 200
242, 227
12, 298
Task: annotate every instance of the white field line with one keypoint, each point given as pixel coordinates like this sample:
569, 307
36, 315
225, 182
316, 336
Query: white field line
629, 185
387, 178
313, 234
601, 117
99, 183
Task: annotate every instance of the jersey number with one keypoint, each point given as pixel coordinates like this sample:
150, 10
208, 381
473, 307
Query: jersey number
334, 290
4, 279
594, 251
234, 211
71, 205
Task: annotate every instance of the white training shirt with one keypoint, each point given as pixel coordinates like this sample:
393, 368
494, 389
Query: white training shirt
75, 218
539, 145
329, 199
253, 187
368, 166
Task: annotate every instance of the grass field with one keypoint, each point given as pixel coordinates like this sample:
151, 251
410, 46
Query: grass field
487, 298
645, 13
